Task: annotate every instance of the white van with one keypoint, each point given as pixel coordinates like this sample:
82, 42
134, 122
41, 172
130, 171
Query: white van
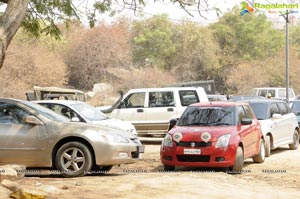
151, 109
275, 92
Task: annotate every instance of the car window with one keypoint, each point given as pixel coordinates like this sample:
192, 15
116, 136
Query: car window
263, 92
260, 110
188, 97
62, 110
241, 114
207, 116
12, 114
248, 111
283, 107
295, 106
134, 100
161, 99
273, 109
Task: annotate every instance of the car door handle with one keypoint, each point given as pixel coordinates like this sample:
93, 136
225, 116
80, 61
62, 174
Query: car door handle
170, 109
140, 110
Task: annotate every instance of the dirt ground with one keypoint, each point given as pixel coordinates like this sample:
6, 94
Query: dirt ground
278, 177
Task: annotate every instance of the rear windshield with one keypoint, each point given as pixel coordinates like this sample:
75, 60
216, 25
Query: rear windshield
260, 110
207, 116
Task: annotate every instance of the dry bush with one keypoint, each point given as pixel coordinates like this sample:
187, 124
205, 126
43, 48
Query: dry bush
95, 50
270, 72
27, 65
132, 78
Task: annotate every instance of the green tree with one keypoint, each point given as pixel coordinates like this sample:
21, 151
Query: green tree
196, 56
152, 41
247, 37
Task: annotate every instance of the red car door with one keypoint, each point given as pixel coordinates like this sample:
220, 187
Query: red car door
249, 133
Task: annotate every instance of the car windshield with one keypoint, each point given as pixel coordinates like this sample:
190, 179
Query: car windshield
260, 110
51, 115
207, 116
295, 106
89, 112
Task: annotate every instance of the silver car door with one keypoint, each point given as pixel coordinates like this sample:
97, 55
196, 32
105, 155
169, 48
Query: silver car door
20, 143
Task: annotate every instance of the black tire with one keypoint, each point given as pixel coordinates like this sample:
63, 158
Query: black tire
268, 146
169, 168
260, 158
73, 159
295, 143
239, 161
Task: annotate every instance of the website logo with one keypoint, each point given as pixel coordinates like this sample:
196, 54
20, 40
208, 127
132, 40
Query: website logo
246, 8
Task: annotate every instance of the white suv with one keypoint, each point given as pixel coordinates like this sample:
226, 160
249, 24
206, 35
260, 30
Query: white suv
151, 109
274, 92
279, 125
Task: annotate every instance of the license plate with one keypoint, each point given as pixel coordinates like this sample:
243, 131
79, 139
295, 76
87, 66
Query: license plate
192, 151
141, 149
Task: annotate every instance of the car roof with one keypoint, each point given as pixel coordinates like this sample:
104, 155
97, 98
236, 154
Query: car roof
63, 102
164, 89
219, 103
264, 101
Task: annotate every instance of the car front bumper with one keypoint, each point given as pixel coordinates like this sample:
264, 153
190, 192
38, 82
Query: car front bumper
116, 153
208, 156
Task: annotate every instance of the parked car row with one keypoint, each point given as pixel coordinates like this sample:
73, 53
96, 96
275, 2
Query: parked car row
76, 138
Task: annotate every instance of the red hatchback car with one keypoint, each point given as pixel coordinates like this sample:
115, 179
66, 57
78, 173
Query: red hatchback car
216, 134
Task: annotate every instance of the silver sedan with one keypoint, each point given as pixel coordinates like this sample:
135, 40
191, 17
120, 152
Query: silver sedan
35, 136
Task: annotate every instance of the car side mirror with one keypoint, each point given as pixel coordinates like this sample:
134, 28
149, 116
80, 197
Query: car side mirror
276, 116
75, 119
30, 119
246, 121
172, 123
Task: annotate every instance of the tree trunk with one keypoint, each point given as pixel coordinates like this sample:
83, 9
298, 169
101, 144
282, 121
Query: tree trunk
10, 22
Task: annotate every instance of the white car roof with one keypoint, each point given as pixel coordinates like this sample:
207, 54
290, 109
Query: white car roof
63, 102
164, 89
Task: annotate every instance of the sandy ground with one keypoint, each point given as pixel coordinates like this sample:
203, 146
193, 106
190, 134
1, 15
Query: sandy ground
278, 177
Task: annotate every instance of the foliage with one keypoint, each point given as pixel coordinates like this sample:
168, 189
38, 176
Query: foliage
196, 56
95, 50
152, 41
247, 37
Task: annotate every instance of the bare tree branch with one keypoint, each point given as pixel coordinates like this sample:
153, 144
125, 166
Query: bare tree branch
10, 23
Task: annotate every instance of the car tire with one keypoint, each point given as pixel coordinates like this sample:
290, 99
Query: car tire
73, 159
268, 146
169, 168
295, 143
103, 169
260, 158
239, 161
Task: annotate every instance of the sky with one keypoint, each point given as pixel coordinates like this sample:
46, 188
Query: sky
177, 14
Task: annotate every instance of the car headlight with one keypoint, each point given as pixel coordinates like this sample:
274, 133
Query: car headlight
168, 140
115, 138
223, 141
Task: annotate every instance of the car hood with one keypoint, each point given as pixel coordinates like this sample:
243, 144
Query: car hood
77, 128
194, 133
117, 124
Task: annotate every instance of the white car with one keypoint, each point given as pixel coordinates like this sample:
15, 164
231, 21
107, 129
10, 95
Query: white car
77, 110
279, 125
273, 92
151, 109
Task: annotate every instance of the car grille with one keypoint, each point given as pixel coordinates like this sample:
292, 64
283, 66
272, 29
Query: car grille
194, 144
193, 158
